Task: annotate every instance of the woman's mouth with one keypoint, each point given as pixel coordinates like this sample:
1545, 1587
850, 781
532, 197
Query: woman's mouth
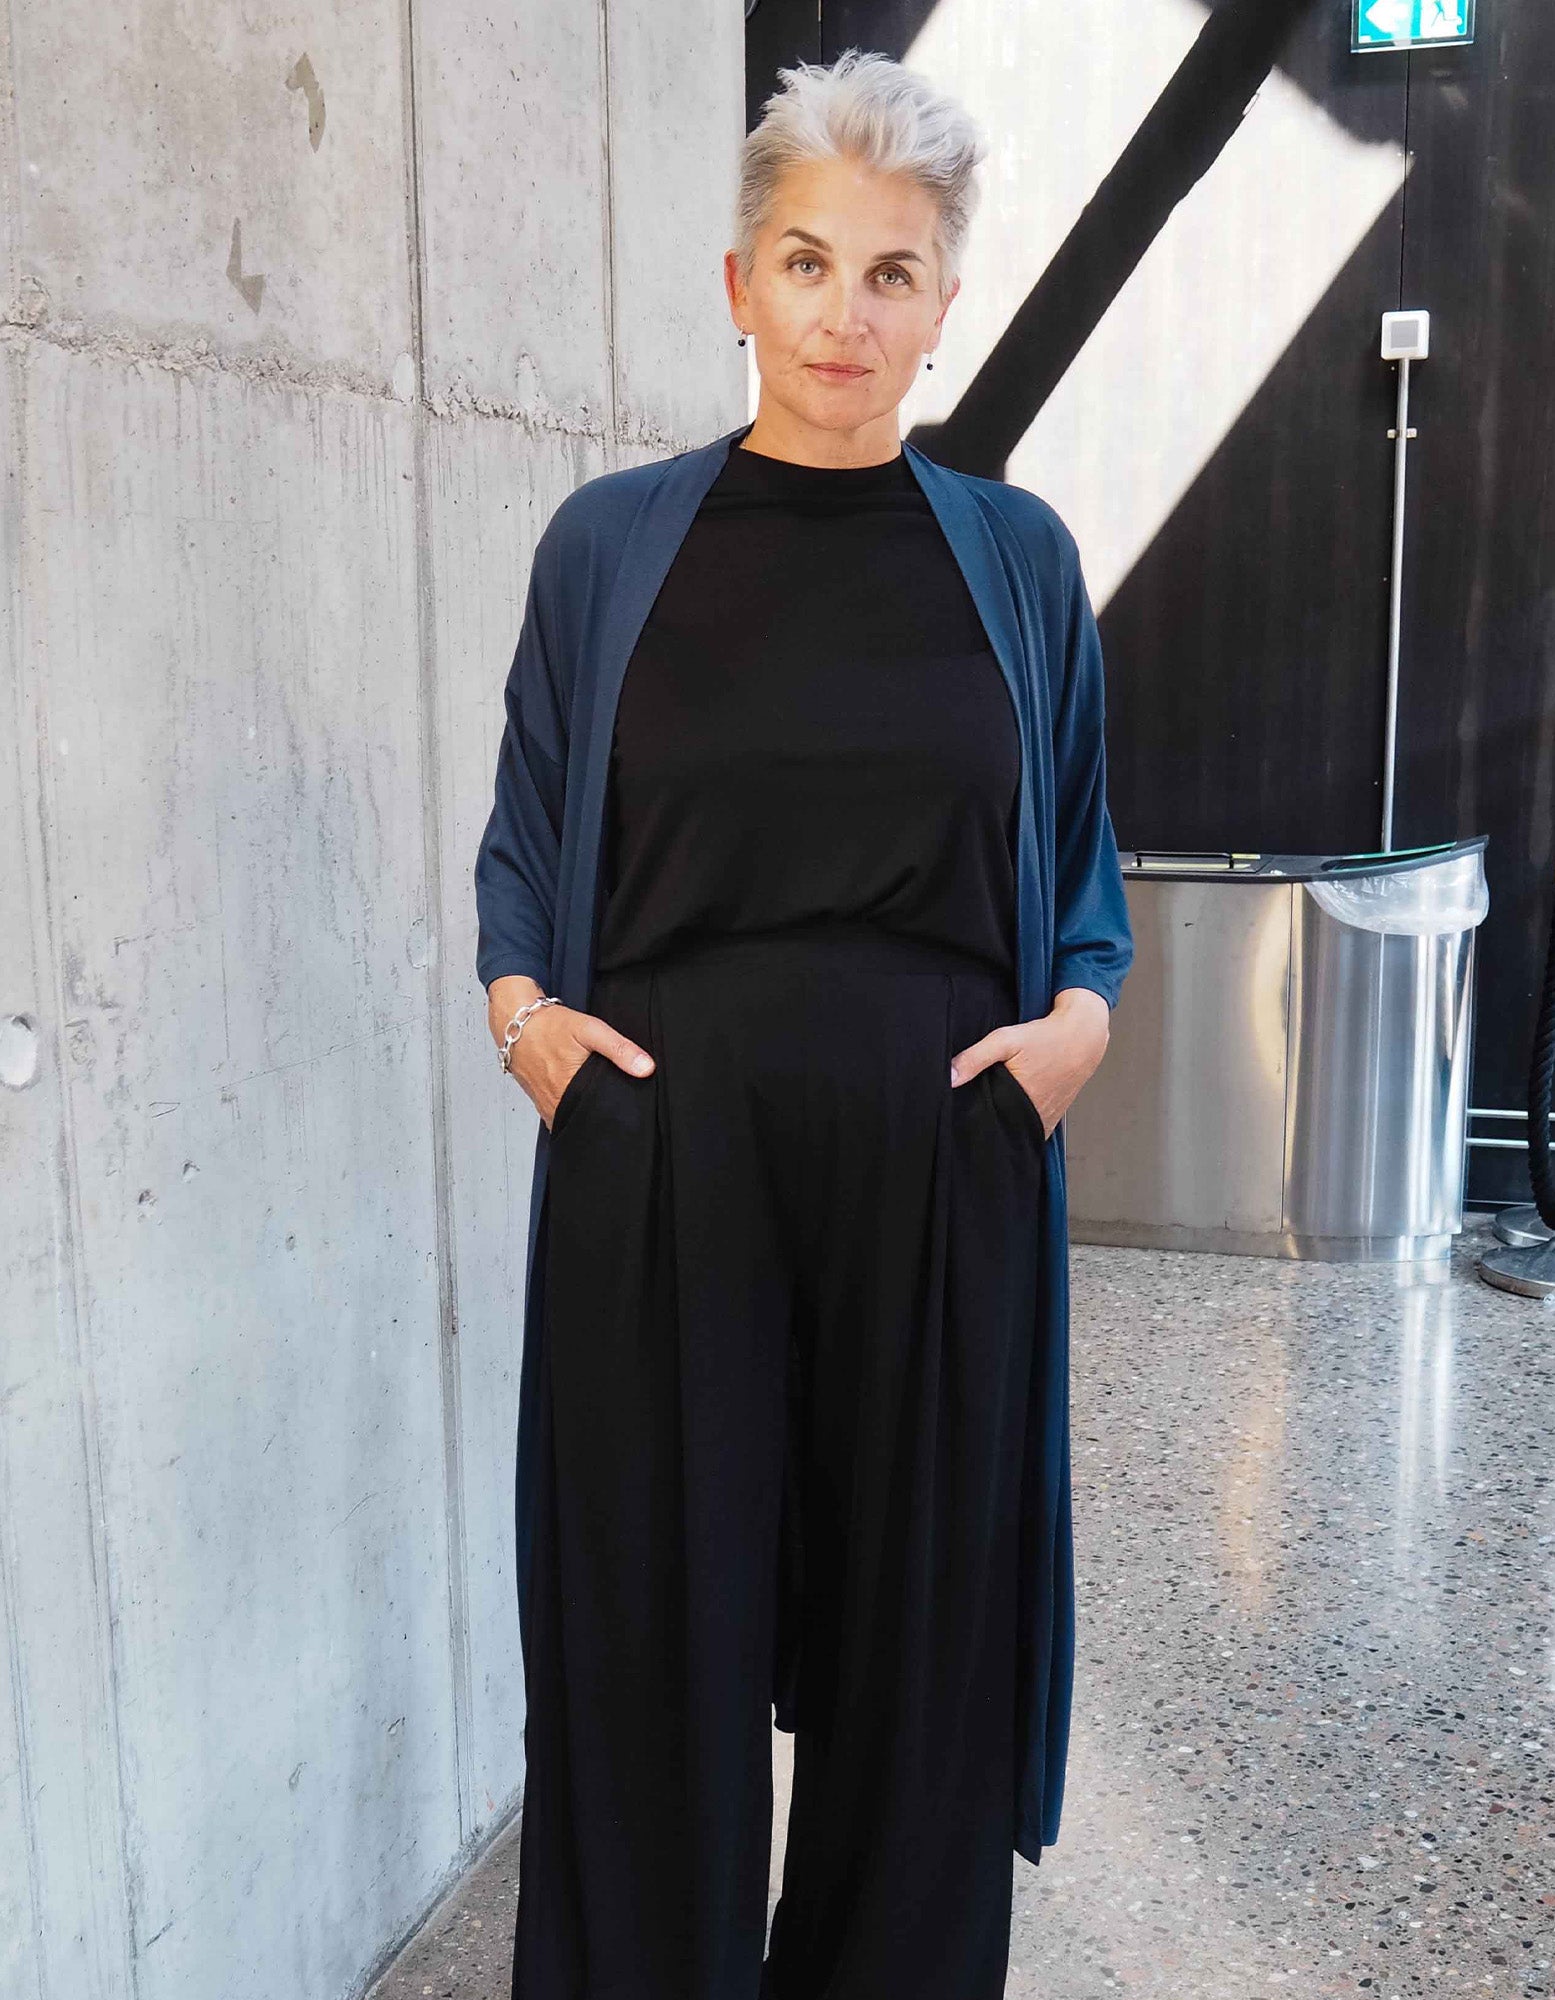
830, 371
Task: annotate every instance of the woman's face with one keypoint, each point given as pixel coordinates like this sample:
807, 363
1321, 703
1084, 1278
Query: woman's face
843, 301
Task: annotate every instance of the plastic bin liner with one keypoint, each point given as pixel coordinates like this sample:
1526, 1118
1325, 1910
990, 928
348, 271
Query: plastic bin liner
1416, 902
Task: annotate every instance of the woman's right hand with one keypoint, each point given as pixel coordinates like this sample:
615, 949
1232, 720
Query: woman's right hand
555, 1043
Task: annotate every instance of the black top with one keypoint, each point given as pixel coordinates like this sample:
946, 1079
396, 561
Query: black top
812, 726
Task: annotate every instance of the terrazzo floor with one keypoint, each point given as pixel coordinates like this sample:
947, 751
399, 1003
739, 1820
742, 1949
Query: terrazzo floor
1313, 1745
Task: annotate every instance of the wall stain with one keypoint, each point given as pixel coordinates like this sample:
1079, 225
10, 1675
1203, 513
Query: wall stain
301, 78
252, 288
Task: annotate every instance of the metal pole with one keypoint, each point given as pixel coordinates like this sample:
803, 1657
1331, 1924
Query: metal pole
1401, 434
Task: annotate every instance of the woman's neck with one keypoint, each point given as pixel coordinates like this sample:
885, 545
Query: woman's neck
778, 434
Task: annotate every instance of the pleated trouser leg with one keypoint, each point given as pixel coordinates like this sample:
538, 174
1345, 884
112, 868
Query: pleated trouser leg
789, 1307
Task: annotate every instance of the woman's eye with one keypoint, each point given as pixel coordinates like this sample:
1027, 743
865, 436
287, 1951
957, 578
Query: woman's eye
890, 270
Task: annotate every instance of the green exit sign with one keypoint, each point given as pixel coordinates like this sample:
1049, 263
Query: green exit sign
1409, 24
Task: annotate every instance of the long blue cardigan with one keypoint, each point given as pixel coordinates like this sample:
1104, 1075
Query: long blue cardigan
597, 569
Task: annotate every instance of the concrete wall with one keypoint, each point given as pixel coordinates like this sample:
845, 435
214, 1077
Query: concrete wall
311, 318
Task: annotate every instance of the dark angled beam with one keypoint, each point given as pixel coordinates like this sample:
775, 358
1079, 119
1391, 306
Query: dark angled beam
1179, 140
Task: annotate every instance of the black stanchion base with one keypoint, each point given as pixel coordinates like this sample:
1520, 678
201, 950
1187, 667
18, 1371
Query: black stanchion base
1521, 1225
1529, 1272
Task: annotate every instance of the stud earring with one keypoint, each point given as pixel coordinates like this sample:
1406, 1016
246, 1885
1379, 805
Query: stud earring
741, 341
928, 361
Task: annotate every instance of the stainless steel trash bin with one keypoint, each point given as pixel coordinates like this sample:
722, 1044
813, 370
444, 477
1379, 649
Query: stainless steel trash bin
1288, 1071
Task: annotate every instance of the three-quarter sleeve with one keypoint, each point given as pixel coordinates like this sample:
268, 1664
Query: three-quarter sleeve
517, 867
1093, 943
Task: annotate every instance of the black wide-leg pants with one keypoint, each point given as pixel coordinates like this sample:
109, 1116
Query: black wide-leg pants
790, 1296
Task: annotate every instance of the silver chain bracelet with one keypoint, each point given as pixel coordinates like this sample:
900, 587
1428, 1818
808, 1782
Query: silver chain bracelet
516, 1028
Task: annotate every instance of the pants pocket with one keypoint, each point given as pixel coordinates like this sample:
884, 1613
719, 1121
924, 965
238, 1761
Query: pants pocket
580, 1080
1006, 1080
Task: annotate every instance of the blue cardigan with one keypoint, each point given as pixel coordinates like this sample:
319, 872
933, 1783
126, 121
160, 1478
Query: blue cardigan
597, 569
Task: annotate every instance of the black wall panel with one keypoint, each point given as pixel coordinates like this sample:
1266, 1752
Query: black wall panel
1477, 707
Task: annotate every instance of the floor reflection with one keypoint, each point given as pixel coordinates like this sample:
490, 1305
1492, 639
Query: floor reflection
1314, 1737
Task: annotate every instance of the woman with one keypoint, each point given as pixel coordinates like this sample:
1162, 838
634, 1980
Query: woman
801, 921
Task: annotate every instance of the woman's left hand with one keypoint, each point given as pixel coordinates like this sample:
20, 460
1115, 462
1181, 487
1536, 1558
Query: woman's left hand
1052, 1058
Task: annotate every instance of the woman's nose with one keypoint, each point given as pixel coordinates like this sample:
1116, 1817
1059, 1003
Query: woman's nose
846, 314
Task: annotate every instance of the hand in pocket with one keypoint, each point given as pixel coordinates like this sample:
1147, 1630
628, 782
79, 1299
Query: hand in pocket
555, 1043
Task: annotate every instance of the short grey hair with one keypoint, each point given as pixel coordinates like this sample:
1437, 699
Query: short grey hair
864, 107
